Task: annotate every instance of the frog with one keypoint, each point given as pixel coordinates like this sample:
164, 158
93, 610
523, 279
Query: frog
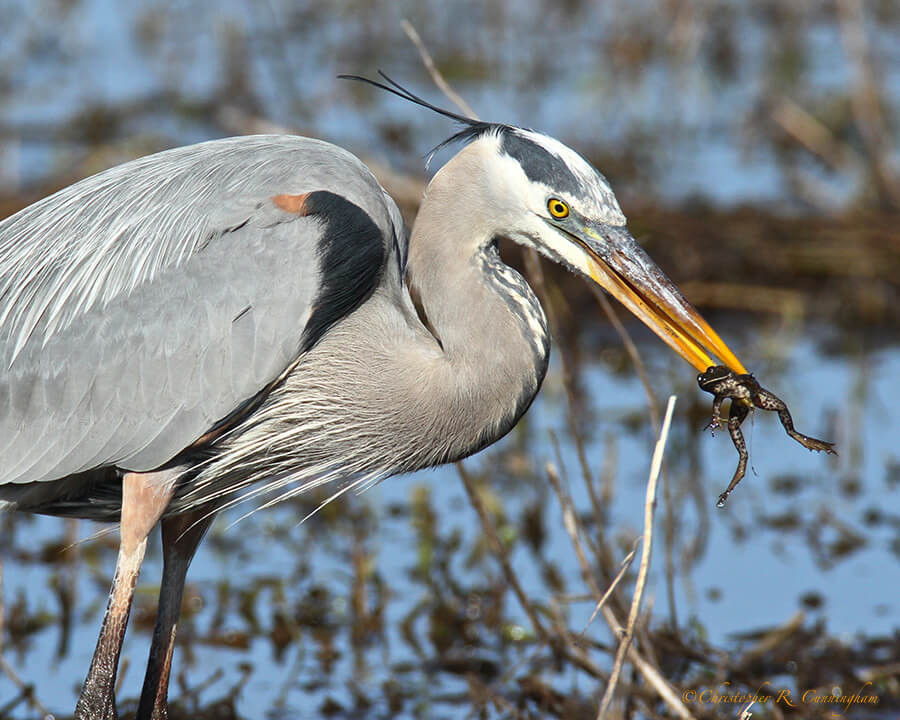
745, 393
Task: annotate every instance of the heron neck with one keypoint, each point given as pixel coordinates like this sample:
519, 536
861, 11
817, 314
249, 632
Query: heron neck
490, 326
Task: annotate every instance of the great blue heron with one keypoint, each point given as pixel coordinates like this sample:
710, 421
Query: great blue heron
249, 316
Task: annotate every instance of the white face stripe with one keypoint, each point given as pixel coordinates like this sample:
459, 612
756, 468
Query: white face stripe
566, 250
512, 180
517, 205
580, 184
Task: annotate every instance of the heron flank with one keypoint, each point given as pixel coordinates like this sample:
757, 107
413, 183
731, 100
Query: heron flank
248, 319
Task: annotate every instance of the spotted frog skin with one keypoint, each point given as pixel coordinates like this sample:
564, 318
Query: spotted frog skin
745, 392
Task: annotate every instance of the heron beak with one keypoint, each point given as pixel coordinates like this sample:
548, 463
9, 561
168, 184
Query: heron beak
617, 263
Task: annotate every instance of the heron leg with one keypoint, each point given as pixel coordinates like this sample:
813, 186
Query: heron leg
181, 534
144, 498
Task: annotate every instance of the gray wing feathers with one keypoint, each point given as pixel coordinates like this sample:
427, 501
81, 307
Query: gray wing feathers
141, 306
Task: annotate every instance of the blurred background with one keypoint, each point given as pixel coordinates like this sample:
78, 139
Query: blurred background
754, 149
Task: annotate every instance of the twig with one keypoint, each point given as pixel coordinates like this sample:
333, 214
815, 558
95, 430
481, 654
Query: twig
536, 276
626, 563
653, 410
608, 473
633, 353
436, 75
26, 690
570, 522
649, 512
651, 674
813, 135
773, 639
123, 671
500, 550
571, 652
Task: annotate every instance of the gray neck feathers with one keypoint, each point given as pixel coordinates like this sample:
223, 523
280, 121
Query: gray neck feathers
489, 323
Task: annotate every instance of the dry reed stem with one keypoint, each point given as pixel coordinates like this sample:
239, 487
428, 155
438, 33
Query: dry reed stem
653, 410
570, 523
26, 690
435, 74
626, 564
774, 638
650, 672
536, 277
807, 130
571, 652
500, 552
649, 513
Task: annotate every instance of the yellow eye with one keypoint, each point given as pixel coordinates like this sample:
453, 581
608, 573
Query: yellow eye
557, 208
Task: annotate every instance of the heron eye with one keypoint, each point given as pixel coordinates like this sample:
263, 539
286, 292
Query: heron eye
557, 208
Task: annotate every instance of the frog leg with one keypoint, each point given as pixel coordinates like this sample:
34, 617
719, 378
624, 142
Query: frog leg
767, 401
736, 416
715, 423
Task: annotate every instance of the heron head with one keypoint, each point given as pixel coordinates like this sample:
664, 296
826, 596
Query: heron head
533, 189
544, 195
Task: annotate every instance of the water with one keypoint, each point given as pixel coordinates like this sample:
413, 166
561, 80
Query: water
363, 605
676, 98
760, 560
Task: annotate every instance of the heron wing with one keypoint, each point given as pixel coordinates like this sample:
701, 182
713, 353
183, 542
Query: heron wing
141, 306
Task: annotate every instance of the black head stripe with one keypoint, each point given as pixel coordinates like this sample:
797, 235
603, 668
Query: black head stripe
540, 165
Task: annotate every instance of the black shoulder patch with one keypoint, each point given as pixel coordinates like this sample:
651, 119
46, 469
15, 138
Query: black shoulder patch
351, 257
540, 165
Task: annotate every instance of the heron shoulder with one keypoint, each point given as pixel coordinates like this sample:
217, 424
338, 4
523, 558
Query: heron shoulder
108, 234
172, 289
